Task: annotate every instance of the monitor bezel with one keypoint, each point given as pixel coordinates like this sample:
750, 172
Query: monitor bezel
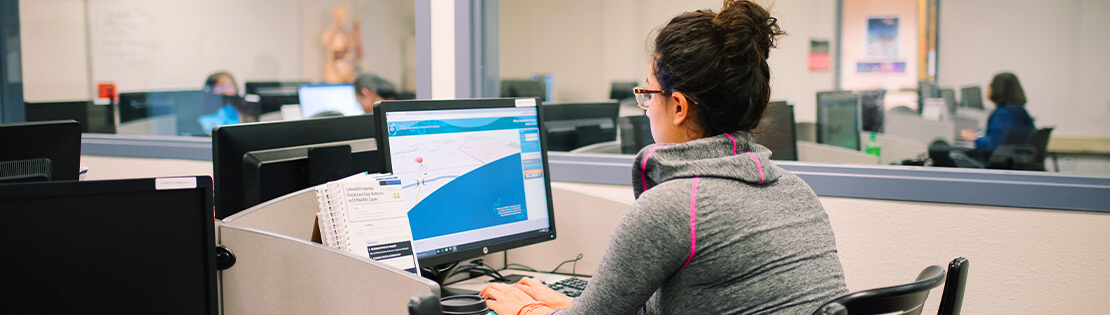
71, 188
384, 107
231, 142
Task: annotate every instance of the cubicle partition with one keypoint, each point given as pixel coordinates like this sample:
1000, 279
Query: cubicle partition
278, 269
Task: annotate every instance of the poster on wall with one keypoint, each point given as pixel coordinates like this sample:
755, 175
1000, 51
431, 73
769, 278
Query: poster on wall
882, 37
818, 55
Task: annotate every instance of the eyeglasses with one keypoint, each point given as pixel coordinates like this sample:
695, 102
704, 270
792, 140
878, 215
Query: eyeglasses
643, 96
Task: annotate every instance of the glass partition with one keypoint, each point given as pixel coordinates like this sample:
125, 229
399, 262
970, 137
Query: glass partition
179, 68
922, 70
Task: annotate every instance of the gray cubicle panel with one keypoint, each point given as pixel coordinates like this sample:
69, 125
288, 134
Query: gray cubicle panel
912, 126
288, 274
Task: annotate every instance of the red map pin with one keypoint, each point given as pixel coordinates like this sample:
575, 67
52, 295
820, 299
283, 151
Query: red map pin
419, 160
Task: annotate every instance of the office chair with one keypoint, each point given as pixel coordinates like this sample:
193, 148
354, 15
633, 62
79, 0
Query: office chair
1027, 154
901, 299
952, 300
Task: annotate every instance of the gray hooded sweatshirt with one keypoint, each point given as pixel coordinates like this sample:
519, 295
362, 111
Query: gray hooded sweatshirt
716, 228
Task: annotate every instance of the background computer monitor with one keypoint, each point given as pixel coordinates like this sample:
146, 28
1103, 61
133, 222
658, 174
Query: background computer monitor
872, 109
925, 90
574, 125
40, 151
971, 97
776, 132
622, 90
635, 133
187, 106
474, 173
122, 246
46, 111
838, 119
524, 88
328, 100
949, 96
273, 94
253, 163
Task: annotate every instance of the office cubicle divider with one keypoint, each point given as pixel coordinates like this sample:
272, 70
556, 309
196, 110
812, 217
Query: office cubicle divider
279, 270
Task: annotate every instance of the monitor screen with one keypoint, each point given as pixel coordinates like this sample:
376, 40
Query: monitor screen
328, 100
253, 163
474, 174
972, 97
574, 125
776, 132
40, 151
949, 96
871, 109
136, 246
838, 119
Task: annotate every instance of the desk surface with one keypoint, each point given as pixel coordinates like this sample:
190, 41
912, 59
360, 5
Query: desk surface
1088, 145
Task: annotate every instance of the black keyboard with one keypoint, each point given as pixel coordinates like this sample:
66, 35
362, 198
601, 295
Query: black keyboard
571, 287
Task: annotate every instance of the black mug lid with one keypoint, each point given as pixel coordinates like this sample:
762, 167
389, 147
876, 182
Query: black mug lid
464, 304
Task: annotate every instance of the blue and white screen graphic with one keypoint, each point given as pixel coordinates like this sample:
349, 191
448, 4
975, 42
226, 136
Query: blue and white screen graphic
468, 175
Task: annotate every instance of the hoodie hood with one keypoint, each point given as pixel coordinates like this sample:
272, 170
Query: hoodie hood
731, 156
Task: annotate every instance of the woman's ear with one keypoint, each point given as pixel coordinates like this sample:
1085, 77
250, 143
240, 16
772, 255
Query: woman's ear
681, 108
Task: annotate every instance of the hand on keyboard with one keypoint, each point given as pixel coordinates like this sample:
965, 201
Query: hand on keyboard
571, 287
544, 293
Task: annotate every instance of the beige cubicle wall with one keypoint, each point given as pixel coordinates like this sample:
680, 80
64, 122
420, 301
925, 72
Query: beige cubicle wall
1023, 261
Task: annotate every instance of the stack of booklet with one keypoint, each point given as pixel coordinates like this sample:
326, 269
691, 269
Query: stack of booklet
366, 215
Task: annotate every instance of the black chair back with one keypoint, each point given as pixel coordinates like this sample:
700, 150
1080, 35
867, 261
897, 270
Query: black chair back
901, 299
952, 300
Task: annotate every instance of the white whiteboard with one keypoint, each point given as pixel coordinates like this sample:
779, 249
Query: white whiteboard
144, 45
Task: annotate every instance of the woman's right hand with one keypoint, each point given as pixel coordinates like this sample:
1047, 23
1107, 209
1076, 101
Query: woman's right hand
537, 290
968, 135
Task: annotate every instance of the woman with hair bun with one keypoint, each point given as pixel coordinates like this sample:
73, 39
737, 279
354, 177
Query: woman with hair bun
717, 227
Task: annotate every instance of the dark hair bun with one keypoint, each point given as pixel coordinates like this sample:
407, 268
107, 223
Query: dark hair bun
747, 29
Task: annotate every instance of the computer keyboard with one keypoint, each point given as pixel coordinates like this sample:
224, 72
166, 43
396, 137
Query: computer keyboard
571, 287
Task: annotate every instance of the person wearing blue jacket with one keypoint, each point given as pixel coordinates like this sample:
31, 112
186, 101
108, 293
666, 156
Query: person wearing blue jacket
1009, 123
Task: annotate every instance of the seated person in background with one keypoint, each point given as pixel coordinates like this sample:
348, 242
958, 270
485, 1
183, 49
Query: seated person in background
370, 89
717, 227
233, 110
1009, 123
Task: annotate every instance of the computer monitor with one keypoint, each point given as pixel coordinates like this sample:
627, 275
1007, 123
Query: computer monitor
635, 133
574, 125
253, 163
143, 246
273, 94
474, 174
872, 109
926, 90
45, 111
621, 90
138, 105
949, 96
971, 97
328, 100
838, 119
524, 88
40, 151
186, 106
776, 132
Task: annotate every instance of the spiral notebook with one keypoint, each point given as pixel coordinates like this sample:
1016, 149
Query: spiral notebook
365, 215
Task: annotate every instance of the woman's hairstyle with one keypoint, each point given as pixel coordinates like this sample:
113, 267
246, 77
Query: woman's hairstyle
719, 61
210, 82
1006, 90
